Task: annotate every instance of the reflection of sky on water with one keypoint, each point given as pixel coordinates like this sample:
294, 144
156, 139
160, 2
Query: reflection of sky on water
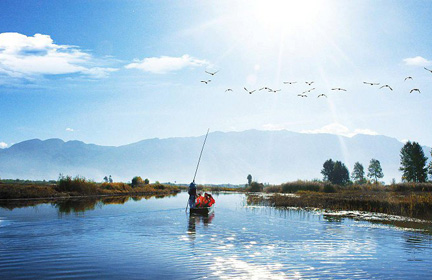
155, 238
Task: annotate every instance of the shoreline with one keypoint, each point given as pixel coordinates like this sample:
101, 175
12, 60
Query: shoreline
406, 204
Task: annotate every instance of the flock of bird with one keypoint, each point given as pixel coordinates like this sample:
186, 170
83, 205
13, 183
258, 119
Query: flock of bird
306, 92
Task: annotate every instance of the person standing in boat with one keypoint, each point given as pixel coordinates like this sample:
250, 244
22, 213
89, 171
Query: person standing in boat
192, 194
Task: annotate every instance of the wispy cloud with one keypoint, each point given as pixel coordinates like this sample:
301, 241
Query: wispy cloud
272, 126
27, 57
70, 129
165, 64
339, 129
417, 61
3, 145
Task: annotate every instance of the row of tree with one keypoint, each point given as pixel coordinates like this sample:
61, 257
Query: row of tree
413, 166
337, 173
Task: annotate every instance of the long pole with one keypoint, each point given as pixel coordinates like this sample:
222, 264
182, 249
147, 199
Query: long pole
196, 170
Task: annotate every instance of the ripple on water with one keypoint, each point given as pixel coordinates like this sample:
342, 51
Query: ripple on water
138, 240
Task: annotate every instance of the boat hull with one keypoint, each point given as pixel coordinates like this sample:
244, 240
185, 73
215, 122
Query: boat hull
202, 210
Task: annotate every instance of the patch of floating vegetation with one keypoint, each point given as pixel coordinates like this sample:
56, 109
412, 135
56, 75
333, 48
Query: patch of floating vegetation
371, 216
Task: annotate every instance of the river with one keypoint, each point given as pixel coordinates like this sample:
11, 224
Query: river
153, 238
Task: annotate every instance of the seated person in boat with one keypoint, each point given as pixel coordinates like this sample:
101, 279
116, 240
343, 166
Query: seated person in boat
209, 198
204, 201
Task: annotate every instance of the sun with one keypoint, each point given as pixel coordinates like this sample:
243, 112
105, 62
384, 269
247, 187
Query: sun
286, 15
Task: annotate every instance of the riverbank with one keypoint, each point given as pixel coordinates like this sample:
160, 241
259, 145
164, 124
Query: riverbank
80, 188
413, 204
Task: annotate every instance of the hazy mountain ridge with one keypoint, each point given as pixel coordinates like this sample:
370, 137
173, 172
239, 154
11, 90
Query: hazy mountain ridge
270, 156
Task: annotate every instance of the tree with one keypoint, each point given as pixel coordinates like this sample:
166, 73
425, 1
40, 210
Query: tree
105, 179
430, 166
146, 181
340, 174
335, 172
375, 170
327, 170
249, 178
358, 174
110, 179
256, 187
136, 181
413, 163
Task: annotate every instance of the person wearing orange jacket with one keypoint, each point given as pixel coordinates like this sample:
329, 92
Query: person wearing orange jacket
209, 199
199, 201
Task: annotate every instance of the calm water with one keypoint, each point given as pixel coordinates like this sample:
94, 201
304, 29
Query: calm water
153, 238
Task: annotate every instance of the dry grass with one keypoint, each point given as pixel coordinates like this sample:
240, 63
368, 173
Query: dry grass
416, 205
79, 186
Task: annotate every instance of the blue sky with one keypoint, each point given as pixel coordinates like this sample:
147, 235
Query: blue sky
116, 72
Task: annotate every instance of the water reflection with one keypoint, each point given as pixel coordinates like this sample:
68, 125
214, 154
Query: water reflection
77, 205
155, 239
195, 220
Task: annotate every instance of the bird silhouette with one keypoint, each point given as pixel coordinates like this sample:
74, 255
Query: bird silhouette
302, 95
427, 69
229, 89
387, 86
309, 83
274, 90
206, 82
340, 89
266, 88
322, 94
290, 83
250, 92
408, 78
309, 90
211, 73
372, 84
415, 89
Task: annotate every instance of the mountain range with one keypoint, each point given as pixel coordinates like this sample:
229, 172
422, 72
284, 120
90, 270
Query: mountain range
228, 157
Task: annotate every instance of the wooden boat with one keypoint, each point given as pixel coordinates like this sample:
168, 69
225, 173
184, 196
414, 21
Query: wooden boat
202, 210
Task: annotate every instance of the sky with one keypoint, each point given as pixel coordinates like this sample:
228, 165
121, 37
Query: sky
117, 72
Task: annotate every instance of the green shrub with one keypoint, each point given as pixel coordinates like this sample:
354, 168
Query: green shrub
136, 181
77, 185
256, 187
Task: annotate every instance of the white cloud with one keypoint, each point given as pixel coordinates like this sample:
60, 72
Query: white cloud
165, 64
338, 129
24, 56
417, 61
3, 145
69, 129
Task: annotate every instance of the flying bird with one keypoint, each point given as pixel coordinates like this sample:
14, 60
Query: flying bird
372, 84
427, 69
266, 88
206, 82
323, 95
415, 89
341, 89
290, 83
211, 73
229, 89
309, 90
408, 78
302, 95
274, 90
250, 92
386, 86
309, 83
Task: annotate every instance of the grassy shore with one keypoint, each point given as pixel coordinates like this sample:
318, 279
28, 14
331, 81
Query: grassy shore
410, 200
73, 187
